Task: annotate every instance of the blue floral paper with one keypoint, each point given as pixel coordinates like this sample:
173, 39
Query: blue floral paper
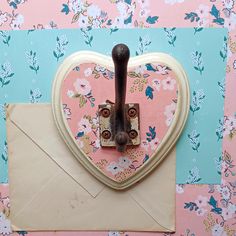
29, 59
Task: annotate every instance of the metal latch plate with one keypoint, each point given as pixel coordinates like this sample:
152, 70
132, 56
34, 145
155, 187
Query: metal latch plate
106, 124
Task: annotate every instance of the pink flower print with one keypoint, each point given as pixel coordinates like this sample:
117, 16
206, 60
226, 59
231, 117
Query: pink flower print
144, 13
70, 93
143, 3
122, 8
203, 22
84, 126
3, 18
5, 226
234, 64
80, 144
179, 188
232, 208
233, 17
201, 201
203, 11
169, 120
113, 233
201, 212
168, 83
2, 217
140, 69
99, 68
218, 230
169, 113
83, 21
225, 193
114, 168
229, 125
96, 23
97, 143
162, 70
118, 22
131, 8
88, 72
224, 167
124, 162
228, 4
154, 143
226, 213
17, 21
95, 121
82, 86
230, 22
6, 202
93, 11
156, 83
145, 145
76, 6
172, 2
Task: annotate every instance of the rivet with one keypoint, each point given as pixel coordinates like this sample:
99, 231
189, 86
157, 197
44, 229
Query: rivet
132, 112
106, 134
133, 134
105, 112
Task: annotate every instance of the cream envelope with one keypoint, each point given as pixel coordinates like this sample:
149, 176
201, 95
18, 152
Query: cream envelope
50, 190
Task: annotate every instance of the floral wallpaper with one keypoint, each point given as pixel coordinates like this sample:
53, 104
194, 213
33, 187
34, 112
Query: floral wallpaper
30, 81
201, 209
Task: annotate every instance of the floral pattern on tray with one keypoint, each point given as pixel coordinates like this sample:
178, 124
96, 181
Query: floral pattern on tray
153, 86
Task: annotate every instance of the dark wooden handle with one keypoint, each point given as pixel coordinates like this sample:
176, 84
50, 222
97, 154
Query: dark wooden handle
120, 56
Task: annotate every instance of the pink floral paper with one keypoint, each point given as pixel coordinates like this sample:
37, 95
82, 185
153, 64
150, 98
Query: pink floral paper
156, 93
201, 210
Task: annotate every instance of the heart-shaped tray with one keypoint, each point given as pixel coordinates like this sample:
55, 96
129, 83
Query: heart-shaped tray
156, 81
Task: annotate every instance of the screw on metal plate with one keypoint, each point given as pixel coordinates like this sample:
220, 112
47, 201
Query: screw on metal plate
119, 122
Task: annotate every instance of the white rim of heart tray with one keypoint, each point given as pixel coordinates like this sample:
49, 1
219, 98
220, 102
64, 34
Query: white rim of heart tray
170, 137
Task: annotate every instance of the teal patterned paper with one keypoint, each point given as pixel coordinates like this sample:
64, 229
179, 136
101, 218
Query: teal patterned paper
29, 60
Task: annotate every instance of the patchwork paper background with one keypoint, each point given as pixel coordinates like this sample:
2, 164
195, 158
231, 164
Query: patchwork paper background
201, 210
31, 81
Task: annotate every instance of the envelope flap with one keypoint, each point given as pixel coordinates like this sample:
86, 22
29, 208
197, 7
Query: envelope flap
60, 203
163, 212
33, 120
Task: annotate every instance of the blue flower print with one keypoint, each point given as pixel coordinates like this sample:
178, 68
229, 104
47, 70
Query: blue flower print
2, 111
221, 85
5, 37
193, 176
170, 34
197, 99
88, 38
6, 74
32, 61
143, 44
223, 51
197, 61
194, 140
61, 43
35, 95
216, 14
220, 129
4, 155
